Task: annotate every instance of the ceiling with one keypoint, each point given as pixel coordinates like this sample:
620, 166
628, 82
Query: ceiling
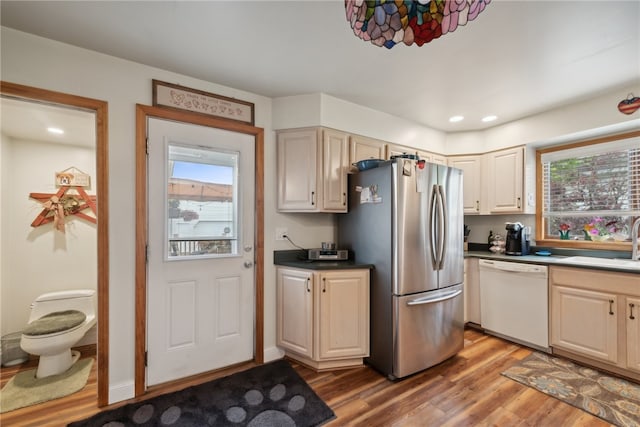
516, 59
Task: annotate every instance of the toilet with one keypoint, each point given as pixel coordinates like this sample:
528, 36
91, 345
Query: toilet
57, 321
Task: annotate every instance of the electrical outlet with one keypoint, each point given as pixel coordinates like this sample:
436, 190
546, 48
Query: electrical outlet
280, 233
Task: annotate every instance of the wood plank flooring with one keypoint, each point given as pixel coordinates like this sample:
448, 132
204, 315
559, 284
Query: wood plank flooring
466, 390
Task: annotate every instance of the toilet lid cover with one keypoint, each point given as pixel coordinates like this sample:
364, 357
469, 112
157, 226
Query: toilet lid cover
58, 321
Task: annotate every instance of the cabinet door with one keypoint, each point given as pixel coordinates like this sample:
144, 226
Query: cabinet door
361, 148
432, 157
294, 313
505, 170
397, 150
585, 322
472, 291
633, 333
335, 157
471, 181
297, 170
343, 315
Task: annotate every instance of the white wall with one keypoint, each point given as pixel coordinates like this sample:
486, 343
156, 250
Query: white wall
41, 259
324, 110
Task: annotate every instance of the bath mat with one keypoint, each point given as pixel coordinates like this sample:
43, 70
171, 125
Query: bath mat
613, 399
25, 389
267, 395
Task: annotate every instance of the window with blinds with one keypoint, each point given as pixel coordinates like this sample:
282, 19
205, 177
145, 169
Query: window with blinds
591, 192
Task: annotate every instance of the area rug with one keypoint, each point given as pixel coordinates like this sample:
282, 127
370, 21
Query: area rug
267, 395
25, 389
613, 399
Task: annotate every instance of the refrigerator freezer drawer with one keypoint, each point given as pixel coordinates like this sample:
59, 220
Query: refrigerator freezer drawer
428, 327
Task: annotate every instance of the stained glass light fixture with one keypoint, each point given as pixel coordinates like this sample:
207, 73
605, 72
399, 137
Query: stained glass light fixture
389, 22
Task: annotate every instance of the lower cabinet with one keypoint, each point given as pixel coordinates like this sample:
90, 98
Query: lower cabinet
594, 317
323, 316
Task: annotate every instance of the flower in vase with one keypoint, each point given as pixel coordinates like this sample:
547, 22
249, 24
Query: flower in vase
564, 231
598, 230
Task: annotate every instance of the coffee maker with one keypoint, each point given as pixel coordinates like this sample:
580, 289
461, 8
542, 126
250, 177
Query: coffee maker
517, 239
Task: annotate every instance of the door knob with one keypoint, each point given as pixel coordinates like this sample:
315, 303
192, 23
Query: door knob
248, 264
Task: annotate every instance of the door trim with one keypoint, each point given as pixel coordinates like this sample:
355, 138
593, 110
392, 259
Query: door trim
102, 192
144, 112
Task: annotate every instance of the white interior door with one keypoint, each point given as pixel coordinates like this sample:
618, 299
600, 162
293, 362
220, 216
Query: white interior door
200, 281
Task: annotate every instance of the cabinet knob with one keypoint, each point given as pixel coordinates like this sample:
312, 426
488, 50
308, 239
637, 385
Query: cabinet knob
313, 198
324, 284
611, 307
344, 199
477, 205
519, 204
308, 288
631, 316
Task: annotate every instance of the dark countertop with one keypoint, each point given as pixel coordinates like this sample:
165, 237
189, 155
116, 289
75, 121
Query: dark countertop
297, 259
553, 259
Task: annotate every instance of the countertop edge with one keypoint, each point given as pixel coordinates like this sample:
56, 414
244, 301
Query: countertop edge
544, 260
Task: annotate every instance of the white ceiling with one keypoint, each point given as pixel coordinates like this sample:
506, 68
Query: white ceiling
516, 59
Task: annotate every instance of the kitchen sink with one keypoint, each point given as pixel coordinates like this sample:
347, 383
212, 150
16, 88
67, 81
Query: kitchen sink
603, 262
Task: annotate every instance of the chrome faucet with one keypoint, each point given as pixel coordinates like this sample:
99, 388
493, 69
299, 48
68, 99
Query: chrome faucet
635, 254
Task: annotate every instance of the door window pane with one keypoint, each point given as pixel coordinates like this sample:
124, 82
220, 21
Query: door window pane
202, 202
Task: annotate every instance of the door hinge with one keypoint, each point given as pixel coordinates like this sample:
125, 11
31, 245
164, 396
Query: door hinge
146, 149
146, 359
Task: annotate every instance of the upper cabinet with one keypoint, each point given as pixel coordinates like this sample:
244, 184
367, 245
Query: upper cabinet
432, 157
363, 148
312, 170
398, 150
471, 167
493, 182
505, 178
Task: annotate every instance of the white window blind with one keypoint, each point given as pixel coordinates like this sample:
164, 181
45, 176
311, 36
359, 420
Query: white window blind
594, 180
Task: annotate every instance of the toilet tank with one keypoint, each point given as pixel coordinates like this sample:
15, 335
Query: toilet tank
83, 300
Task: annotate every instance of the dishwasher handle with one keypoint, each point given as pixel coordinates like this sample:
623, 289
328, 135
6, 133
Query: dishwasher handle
511, 267
431, 300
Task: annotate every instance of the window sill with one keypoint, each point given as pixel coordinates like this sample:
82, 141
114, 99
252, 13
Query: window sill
583, 244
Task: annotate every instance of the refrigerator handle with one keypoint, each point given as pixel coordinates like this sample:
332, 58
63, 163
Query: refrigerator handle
431, 300
432, 225
444, 229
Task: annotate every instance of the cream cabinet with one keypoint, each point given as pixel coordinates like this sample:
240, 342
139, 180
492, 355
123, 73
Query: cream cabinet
493, 183
432, 157
632, 305
323, 316
504, 180
471, 167
362, 148
585, 321
472, 291
398, 150
312, 170
594, 318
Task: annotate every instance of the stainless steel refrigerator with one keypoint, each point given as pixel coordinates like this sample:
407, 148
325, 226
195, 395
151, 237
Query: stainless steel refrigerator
405, 217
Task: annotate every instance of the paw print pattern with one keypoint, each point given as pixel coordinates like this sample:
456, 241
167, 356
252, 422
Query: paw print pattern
237, 414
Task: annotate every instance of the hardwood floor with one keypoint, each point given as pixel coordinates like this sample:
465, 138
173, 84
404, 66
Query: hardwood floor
466, 390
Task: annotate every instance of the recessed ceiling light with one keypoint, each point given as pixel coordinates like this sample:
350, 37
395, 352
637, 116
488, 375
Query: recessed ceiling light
454, 119
489, 118
57, 131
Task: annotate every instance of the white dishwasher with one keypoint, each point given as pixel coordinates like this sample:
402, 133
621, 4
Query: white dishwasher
514, 302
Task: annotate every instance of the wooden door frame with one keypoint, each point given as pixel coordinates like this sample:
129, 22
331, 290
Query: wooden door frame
100, 108
143, 113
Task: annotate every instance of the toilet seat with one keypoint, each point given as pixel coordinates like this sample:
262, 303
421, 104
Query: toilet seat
55, 323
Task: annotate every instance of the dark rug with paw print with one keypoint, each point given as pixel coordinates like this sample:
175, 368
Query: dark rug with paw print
613, 399
268, 395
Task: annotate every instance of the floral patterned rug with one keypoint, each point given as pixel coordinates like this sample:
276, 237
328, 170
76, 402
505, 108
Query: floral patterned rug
615, 400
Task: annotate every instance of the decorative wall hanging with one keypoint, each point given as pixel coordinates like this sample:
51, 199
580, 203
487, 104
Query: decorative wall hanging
389, 22
197, 101
63, 203
629, 105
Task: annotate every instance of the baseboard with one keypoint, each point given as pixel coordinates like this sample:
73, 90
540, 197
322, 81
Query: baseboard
122, 391
272, 353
